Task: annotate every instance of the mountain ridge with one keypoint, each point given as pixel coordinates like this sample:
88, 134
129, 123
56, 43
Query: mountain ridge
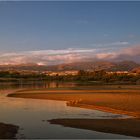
87, 65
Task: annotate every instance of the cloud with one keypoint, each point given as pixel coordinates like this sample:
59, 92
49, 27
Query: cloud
111, 44
129, 53
46, 57
52, 57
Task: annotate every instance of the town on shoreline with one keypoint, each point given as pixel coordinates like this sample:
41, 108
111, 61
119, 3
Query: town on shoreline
95, 76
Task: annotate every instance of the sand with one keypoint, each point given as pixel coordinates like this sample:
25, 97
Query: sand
8, 131
119, 101
115, 101
128, 127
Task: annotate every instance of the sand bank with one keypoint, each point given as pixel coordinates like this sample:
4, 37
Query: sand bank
129, 127
8, 131
121, 101
115, 101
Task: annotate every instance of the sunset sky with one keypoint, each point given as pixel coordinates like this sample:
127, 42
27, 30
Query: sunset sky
59, 32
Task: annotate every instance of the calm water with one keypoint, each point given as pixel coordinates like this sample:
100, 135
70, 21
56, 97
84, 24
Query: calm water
31, 115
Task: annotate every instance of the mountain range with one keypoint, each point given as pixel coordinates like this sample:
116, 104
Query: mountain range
89, 65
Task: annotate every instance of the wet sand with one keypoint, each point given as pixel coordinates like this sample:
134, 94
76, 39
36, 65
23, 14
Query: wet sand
121, 101
8, 131
116, 101
128, 127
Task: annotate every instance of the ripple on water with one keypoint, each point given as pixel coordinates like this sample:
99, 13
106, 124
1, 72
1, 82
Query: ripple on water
30, 113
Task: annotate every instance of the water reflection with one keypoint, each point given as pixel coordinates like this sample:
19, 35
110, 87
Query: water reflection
32, 115
36, 84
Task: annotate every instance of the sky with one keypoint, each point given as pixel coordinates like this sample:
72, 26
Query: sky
55, 32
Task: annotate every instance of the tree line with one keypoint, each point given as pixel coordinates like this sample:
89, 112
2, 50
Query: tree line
82, 75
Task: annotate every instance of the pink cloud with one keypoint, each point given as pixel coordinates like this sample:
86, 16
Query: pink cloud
130, 53
50, 57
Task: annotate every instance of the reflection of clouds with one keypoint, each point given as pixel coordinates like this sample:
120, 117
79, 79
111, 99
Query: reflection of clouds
31, 104
50, 57
17, 108
23, 110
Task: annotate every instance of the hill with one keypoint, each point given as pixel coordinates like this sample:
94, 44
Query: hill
89, 65
98, 65
136, 70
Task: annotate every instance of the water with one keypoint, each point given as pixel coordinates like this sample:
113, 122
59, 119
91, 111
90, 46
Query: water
31, 116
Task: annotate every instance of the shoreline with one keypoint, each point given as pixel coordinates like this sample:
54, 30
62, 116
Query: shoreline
8, 131
121, 102
117, 102
127, 127
107, 109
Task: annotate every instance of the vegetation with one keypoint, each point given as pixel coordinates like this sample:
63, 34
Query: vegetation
18, 75
94, 76
100, 76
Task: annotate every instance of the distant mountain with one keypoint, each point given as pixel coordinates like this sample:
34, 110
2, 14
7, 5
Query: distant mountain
90, 65
82, 66
136, 70
124, 66
99, 65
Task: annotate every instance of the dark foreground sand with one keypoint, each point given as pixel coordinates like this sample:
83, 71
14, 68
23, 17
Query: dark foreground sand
8, 131
129, 127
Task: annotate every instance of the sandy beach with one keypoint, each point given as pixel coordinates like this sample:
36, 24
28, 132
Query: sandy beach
119, 101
